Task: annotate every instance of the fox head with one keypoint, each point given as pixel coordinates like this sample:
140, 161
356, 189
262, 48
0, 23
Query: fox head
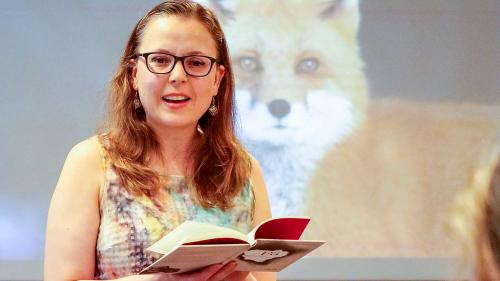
299, 76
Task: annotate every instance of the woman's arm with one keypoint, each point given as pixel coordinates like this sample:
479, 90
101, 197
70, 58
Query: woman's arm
73, 217
262, 212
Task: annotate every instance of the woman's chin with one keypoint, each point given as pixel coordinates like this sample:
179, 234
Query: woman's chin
173, 123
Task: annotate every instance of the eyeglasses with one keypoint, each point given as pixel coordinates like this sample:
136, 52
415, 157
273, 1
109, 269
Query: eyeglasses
163, 63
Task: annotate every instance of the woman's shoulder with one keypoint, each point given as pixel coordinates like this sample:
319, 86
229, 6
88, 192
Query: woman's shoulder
81, 174
88, 149
87, 155
256, 176
254, 163
261, 208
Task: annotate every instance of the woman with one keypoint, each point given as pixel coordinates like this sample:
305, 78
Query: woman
169, 154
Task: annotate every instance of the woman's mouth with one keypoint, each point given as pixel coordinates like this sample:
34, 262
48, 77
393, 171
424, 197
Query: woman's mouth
175, 99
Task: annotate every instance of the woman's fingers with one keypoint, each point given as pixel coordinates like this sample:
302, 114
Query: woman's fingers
216, 272
223, 272
203, 274
239, 276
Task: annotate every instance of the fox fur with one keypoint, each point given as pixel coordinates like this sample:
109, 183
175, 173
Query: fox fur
376, 176
300, 86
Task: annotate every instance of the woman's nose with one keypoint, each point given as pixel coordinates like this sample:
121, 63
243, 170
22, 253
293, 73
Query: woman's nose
178, 74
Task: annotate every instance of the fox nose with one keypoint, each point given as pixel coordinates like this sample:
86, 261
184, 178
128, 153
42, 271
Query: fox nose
279, 108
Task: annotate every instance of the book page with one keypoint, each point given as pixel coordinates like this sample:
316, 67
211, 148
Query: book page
189, 232
192, 257
289, 228
274, 255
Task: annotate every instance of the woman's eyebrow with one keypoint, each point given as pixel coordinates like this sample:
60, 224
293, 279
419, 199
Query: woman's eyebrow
196, 52
161, 50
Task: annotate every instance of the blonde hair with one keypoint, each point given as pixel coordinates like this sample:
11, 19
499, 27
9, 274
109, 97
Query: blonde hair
221, 166
476, 220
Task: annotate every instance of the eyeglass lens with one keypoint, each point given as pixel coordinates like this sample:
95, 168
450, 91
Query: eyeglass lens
193, 65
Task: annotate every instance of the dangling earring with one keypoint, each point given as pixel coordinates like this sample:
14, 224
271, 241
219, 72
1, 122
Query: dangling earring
199, 129
213, 108
137, 102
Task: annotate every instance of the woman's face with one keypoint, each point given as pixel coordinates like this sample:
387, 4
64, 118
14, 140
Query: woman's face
175, 100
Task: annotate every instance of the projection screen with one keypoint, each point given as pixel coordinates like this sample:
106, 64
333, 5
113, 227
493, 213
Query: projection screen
368, 116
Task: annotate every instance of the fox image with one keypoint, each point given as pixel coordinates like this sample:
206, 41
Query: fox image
377, 176
300, 86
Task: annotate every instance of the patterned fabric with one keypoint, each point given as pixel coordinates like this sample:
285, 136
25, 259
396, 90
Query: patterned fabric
129, 224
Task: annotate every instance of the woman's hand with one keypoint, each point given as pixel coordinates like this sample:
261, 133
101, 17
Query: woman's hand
216, 272
240, 276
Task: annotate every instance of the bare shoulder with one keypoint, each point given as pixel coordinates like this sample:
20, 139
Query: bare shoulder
84, 164
261, 208
256, 175
87, 150
254, 162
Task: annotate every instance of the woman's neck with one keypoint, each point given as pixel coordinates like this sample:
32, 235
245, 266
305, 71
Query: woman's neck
176, 145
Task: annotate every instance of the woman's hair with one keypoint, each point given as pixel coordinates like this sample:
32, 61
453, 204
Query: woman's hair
488, 236
477, 221
220, 165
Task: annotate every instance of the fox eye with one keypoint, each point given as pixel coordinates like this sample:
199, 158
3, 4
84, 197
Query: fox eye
308, 65
249, 64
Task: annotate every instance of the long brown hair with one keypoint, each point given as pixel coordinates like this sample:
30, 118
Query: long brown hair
220, 167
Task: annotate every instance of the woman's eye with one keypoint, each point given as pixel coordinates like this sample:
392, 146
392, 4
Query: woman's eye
197, 63
161, 59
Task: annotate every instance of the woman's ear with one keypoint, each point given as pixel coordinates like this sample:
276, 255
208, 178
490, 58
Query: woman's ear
132, 65
219, 74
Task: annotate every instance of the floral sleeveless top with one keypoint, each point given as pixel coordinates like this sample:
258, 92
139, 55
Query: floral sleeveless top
129, 224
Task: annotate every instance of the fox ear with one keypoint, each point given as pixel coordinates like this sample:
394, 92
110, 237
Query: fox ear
344, 14
222, 9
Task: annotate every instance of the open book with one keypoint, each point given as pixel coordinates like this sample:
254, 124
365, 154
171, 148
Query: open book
271, 246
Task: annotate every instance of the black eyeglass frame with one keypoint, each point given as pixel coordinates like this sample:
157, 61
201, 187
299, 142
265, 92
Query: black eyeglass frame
176, 58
